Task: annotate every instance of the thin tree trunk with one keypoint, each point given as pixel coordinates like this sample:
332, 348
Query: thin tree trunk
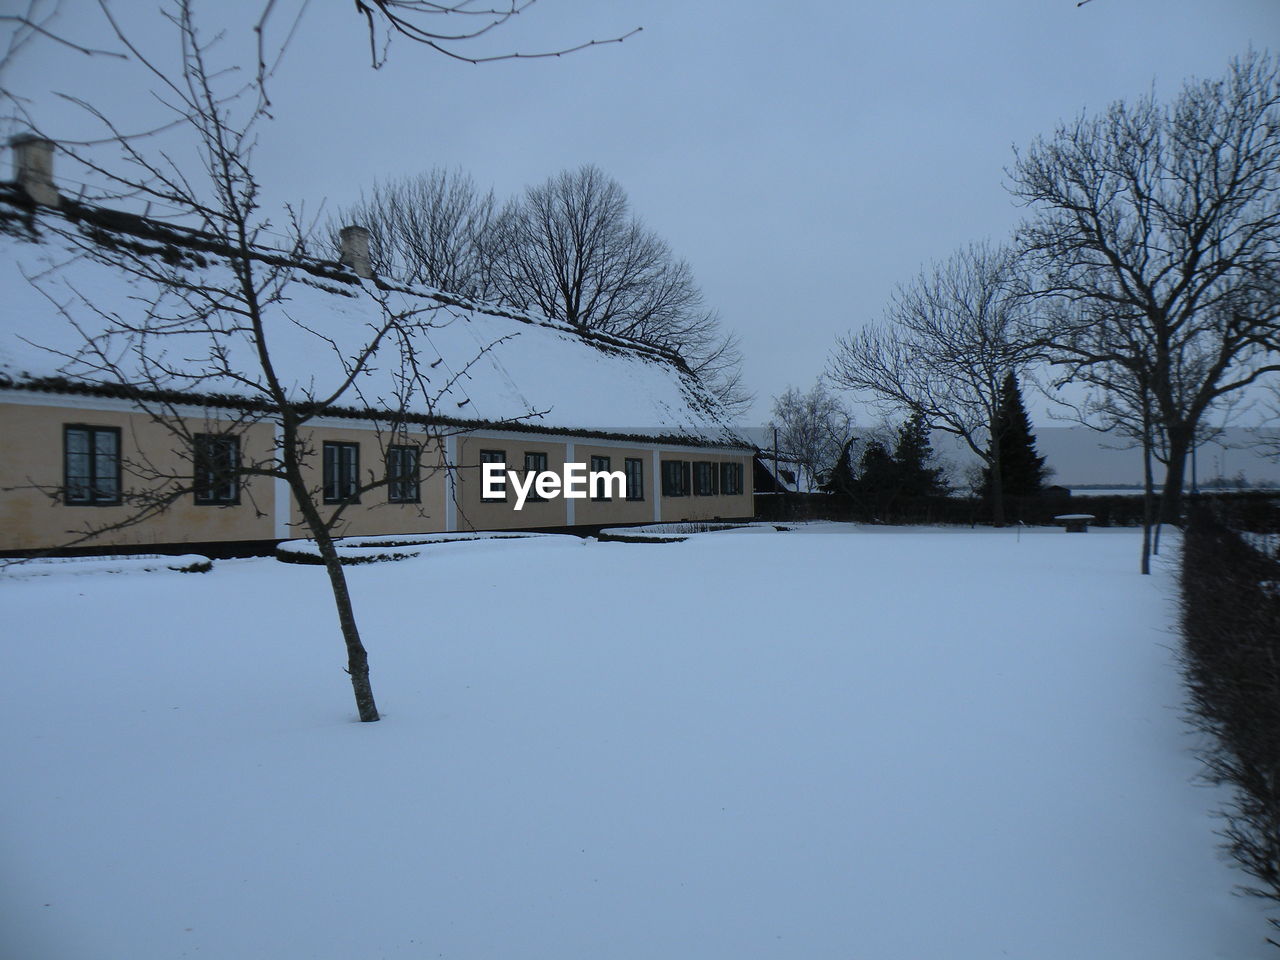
357, 656
1148, 498
1150, 543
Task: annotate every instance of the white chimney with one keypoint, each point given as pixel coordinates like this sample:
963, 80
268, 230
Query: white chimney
33, 168
355, 250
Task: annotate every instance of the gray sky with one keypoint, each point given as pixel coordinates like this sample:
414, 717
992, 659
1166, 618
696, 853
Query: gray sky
803, 158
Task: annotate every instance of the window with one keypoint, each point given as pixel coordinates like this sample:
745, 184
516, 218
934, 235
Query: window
675, 478
635, 478
731, 479
534, 463
599, 465
402, 474
705, 477
494, 456
91, 465
341, 472
216, 464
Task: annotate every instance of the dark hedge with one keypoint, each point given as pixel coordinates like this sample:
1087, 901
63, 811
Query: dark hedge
1231, 663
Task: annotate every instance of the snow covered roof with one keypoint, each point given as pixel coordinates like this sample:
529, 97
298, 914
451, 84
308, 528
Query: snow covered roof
787, 473
486, 366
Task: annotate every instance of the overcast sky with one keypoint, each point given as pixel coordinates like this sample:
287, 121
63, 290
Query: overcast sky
803, 158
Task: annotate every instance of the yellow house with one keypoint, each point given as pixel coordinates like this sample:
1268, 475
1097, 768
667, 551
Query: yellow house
132, 412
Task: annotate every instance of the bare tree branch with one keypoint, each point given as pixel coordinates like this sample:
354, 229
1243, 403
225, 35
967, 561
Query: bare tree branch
1156, 237
416, 19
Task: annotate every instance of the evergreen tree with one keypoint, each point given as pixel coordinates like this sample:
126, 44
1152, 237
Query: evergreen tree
877, 482
913, 455
841, 480
1021, 469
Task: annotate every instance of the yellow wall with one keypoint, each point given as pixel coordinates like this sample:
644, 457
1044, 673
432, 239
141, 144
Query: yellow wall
716, 507
375, 514
473, 514
618, 510
32, 515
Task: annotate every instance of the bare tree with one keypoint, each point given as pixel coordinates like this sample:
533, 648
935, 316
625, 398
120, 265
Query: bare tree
567, 249
436, 228
813, 427
1156, 235
573, 253
947, 343
208, 316
570, 250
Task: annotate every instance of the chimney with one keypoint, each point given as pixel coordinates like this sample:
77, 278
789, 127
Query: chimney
33, 168
355, 251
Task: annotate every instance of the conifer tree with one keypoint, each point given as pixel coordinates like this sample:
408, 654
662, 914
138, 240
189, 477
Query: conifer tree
841, 480
1022, 470
913, 455
877, 482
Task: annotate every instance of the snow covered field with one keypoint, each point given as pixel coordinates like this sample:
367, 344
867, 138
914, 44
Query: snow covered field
833, 743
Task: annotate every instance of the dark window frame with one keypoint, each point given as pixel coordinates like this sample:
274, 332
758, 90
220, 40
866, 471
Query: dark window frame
533, 488
731, 471
206, 479
706, 476
352, 483
595, 467
635, 494
90, 481
675, 478
404, 487
483, 461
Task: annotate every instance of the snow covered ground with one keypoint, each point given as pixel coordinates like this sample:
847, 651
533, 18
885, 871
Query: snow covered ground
831, 743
